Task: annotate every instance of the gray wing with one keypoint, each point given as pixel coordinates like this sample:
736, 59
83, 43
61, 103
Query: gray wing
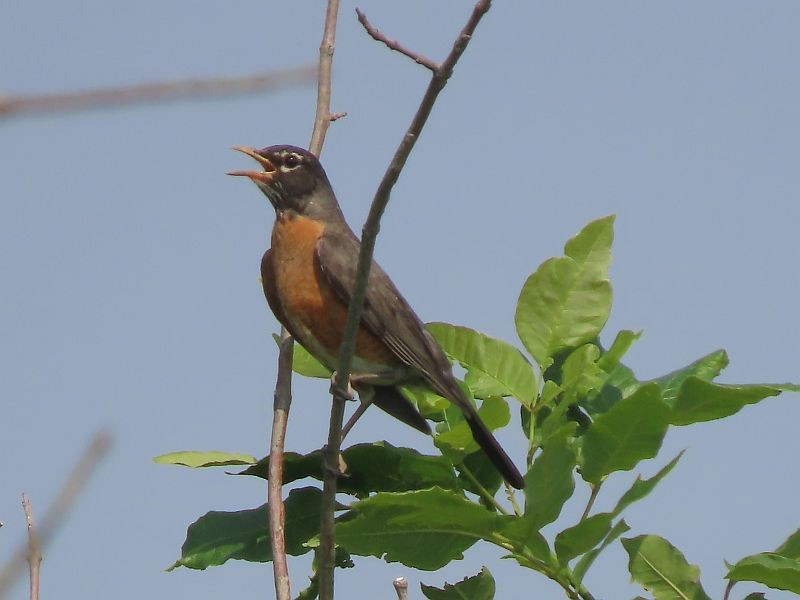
386, 313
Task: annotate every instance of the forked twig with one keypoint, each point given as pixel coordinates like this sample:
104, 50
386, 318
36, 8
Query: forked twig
378, 36
326, 552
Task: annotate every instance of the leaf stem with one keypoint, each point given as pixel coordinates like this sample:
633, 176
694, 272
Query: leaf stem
592, 498
482, 491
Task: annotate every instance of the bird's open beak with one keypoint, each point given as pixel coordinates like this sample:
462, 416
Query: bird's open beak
264, 176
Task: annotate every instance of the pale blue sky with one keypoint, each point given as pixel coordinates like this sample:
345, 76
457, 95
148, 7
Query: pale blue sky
129, 261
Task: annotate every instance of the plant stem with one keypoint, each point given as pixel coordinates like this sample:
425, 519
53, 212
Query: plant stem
592, 498
482, 491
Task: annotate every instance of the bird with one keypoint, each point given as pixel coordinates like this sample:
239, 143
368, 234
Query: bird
307, 276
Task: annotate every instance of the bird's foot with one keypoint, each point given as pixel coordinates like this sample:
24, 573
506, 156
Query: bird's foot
338, 392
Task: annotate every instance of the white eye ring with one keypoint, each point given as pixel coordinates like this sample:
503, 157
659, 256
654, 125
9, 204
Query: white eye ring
290, 162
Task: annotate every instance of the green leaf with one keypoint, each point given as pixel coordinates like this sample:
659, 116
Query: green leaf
525, 539
374, 467
705, 368
642, 487
660, 568
566, 301
581, 373
430, 404
581, 538
586, 561
494, 368
755, 596
700, 400
770, 569
218, 537
477, 587
312, 591
631, 431
550, 481
424, 529
619, 347
482, 469
305, 364
791, 547
197, 459
494, 413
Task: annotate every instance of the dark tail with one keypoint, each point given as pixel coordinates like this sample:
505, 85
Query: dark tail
501, 461
390, 400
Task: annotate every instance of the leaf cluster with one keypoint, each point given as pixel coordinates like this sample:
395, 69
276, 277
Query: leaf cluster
584, 415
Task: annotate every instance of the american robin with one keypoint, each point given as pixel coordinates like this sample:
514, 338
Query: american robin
308, 274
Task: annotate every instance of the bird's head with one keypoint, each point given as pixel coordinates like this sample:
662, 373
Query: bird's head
293, 179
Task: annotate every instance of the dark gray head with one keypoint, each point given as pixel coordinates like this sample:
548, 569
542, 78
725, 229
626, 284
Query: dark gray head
293, 180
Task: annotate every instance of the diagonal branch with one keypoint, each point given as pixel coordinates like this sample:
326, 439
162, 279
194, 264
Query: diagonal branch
153, 92
383, 193
378, 36
326, 553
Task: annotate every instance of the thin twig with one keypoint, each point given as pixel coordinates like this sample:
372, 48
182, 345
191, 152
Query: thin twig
482, 491
323, 117
326, 552
277, 521
382, 195
74, 484
34, 549
11, 105
592, 498
378, 36
401, 588
728, 589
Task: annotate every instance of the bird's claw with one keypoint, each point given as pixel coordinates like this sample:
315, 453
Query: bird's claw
347, 394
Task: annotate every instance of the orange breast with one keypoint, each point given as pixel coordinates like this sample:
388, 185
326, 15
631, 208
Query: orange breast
314, 314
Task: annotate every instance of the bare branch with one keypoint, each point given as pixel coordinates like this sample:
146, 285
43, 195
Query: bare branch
378, 36
401, 588
58, 509
326, 552
322, 119
154, 92
34, 550
277, 521
383, 193
283, 385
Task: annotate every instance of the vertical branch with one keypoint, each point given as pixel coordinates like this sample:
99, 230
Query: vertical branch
280, 417
34, 550
322, 119
283, 385
441, 73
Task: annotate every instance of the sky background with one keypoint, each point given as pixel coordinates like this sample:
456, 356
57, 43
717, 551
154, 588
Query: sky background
129, 261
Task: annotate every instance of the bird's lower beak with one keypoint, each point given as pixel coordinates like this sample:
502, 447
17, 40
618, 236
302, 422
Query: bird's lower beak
264, 176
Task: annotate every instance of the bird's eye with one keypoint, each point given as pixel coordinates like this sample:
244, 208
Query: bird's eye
291, 160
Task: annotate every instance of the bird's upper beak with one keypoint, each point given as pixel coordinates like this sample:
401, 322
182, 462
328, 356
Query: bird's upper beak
264, 176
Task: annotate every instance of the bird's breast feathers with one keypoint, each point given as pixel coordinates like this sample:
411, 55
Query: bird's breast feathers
314, 314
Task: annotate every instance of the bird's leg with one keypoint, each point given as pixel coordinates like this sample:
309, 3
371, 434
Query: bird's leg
365, 396
346, 395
